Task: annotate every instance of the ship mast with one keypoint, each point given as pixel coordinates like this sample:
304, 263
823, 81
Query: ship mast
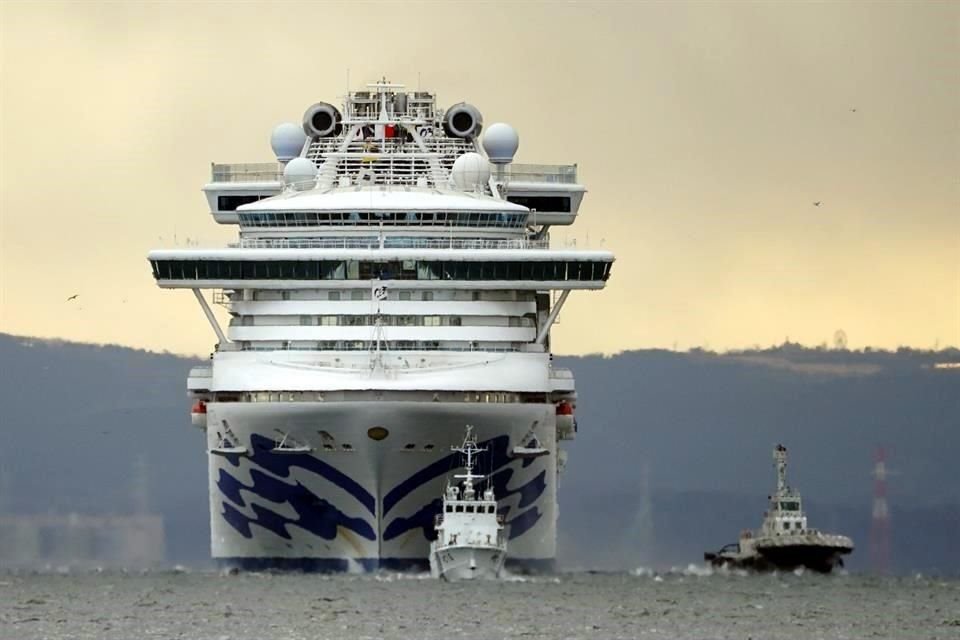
378, 293
780, 460
469, 449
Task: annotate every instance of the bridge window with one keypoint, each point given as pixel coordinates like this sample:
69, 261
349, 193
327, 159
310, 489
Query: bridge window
230, 203
542, 270
512, 220
559, 204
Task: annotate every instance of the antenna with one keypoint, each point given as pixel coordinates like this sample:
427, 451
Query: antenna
780, 461
378, 293
469, 449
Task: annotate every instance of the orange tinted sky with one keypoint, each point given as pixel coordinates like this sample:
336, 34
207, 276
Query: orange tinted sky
703, 131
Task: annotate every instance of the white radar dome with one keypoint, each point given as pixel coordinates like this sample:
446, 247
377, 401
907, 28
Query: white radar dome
501, 142
287, 141
470, 171
300, 173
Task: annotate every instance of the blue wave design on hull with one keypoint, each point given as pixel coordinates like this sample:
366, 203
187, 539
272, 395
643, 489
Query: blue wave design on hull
529, 492
280, 465
320, 517
424, 518
314, 514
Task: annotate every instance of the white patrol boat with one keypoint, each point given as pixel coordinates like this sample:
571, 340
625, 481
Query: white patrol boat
783, 541
470, 537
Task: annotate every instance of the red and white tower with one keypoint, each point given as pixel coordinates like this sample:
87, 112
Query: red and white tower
880, 527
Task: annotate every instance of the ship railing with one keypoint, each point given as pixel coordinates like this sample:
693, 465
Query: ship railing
384, 348
556, 173
437, 145
410, 169
398, 168
246, 172
391, 243
445, 219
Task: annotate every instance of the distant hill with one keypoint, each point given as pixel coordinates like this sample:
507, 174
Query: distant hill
76, 419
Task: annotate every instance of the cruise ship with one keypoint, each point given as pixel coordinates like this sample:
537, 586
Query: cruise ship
393, 281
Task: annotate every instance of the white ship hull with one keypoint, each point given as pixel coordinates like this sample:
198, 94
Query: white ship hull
357, 502
455, 563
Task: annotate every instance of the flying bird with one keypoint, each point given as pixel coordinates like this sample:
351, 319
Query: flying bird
853, 110
817, 203
73, 297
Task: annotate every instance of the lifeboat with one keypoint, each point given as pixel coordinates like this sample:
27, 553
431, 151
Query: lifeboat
198, 414
566, 423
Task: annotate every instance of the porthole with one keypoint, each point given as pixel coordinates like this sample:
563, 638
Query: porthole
377, 433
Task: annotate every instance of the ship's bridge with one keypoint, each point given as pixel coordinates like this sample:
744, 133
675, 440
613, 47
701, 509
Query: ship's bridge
520, 269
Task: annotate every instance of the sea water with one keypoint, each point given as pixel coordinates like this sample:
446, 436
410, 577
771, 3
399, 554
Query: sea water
688, 604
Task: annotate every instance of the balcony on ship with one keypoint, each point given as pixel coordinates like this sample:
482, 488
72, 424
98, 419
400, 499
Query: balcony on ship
551, 192
233, 185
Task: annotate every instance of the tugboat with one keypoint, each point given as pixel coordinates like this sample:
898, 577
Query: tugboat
470, 535
783, 541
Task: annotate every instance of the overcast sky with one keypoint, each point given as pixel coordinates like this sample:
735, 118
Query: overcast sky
704, 132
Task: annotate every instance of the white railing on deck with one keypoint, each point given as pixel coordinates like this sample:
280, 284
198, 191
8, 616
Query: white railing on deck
397, 243
246, 172
385, 348
386, 168
559, 173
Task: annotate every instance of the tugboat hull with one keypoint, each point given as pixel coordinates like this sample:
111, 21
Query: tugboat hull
822, 559
819, 559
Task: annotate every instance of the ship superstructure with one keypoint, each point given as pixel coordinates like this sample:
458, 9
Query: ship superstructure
392, 281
